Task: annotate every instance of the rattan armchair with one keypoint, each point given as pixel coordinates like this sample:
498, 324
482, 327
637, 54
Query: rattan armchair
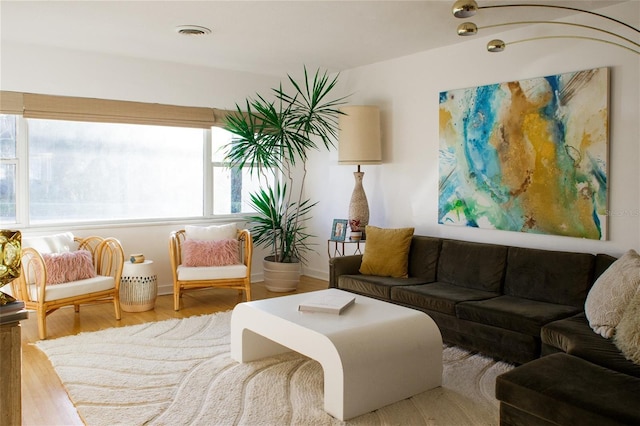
45, 298
197, 277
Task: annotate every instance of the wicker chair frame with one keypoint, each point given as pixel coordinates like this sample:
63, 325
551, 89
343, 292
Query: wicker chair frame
176, 239
108, 259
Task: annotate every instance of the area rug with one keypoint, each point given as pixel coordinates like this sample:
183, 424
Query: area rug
179, 372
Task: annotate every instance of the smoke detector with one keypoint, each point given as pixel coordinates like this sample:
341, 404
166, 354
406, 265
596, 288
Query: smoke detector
192, 30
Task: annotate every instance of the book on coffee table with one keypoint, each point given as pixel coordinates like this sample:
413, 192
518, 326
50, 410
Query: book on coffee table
329, 303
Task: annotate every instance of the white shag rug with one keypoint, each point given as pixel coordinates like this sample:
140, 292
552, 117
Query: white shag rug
179, 372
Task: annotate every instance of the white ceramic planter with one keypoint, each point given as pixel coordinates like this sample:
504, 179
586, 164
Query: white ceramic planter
280, 277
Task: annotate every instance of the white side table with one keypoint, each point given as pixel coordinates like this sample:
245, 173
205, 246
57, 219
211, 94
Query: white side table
138, 287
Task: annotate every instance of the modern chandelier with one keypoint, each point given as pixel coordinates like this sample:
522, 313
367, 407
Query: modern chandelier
468, 8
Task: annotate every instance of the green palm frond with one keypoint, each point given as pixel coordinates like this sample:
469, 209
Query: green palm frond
278, 135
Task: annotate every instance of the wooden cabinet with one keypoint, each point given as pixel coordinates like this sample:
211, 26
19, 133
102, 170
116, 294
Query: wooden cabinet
11, 371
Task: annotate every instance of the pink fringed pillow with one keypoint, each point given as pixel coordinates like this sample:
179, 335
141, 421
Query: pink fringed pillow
210, 253
68, 266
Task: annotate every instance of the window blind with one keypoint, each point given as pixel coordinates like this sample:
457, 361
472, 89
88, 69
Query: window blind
70, 108
11, 102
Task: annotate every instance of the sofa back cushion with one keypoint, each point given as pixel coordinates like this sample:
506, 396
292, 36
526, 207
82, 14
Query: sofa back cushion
423, 257
472, 265
602, 263
549, 276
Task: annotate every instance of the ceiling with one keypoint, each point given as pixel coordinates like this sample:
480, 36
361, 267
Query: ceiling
266, 37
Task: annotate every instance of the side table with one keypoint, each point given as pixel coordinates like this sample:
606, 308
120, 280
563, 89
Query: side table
138, 287
338, 247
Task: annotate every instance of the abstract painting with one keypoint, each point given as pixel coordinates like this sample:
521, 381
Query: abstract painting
527, 156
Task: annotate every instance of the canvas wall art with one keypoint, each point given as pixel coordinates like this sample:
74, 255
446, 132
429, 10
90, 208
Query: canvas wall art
527, 156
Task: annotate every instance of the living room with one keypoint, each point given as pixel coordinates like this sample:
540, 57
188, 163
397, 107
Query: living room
403, 190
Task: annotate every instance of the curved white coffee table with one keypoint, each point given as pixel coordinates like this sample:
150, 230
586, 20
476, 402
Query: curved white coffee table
373, 354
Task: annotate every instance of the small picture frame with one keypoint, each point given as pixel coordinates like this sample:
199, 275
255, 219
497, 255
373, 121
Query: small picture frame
339, 229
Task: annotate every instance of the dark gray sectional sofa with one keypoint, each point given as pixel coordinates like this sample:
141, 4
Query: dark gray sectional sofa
521, 305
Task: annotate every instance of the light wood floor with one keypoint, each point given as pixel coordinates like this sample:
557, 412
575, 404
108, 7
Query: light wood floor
44, 399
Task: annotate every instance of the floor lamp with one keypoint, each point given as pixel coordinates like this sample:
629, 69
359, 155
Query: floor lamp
359, 143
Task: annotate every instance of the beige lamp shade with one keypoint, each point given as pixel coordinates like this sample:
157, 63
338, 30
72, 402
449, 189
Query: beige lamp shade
359, 135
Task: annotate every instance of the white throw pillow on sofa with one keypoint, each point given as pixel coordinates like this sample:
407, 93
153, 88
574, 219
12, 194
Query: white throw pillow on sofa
627, 337
611, 294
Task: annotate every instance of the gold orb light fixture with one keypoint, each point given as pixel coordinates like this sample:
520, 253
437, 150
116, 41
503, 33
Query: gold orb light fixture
468, 8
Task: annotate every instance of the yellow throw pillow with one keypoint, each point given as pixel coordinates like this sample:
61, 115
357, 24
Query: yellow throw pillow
387, 252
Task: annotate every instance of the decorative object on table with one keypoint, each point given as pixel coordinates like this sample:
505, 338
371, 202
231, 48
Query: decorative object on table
513, 155
339, 229
356, 232
359, 143
277, 136
327, 303
138, 286
136, 258
10, 255
468, 8
6, 298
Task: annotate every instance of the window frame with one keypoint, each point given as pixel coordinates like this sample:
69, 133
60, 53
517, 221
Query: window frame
23, 198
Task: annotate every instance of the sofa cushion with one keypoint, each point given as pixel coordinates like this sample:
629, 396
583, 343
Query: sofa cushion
627, 337
387, 252
57, 243
567, 390
74, 288
440, 297
574, 336
423, 257
212, 232
69, 266
473, 265
187, 273
374, 286
513, 313
210, 253
603, 261
612, 292
549, 276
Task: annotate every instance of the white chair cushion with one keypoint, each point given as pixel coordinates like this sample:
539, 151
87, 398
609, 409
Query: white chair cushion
75, 288
211, 233
58, 243
186, 273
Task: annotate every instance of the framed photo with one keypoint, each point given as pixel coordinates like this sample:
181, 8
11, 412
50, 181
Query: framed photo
339, 229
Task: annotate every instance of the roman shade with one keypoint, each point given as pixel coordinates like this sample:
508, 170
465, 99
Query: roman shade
11, 102
52, 107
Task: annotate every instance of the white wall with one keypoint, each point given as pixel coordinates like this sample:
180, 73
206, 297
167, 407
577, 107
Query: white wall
403, 191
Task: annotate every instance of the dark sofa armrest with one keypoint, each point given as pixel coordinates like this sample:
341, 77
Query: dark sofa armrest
343, 265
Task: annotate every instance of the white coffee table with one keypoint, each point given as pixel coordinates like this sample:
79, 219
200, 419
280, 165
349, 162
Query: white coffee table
373, 354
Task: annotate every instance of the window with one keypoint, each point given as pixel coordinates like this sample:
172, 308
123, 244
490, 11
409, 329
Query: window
231, 187
98, 172
8, 168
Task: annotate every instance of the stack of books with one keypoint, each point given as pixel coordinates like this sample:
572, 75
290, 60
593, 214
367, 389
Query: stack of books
12, 312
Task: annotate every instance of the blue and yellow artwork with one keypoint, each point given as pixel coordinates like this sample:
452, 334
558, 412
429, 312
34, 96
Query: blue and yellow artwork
527, 156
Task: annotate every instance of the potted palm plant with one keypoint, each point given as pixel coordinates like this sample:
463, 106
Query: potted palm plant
275, 136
